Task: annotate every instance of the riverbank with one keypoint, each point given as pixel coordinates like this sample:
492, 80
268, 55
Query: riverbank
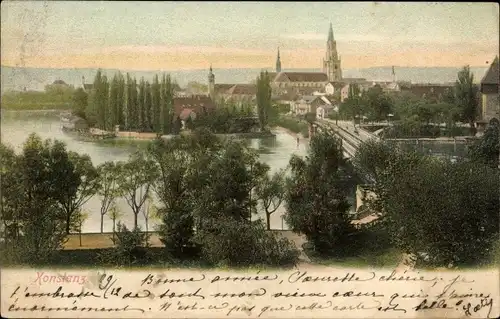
291, 133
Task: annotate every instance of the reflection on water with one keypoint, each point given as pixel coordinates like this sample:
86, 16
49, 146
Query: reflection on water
275, 151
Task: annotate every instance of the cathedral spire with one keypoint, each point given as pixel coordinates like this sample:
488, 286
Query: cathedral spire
330, 33
278, 62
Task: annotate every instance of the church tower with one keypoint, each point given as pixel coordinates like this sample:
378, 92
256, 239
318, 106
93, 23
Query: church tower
211, 84
331, 64
278, 62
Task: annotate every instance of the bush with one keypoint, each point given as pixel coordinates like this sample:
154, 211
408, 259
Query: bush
315, 200
176, 233
446, 211
235, 243
131, 248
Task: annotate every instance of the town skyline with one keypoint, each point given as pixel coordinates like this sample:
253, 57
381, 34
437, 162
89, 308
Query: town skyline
191, 36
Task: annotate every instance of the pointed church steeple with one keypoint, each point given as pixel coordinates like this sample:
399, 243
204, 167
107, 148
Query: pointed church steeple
278, 62
331, 63
330, 33
211, 83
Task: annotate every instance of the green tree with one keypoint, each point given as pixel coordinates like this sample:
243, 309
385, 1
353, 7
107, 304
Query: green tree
447, 211
131, 247
271, 192
121, 94
487, 148
377, 105
114, 102
466, 97
135, 178
166, 105
175, 160
93, 100
372, 157
108, 189
132, 119
141, 99
316, 204
80, 185
99, 100
263, 99
80, 102
41, 184
10, 175
114, 214
148, 108
80, 218
156, 108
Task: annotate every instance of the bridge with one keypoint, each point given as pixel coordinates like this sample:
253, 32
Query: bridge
351, 136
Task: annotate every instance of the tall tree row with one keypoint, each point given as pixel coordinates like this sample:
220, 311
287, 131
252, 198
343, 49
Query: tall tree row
166, 105
156, 110
114, 101
140, 104
148, 106
143, 106
263, 99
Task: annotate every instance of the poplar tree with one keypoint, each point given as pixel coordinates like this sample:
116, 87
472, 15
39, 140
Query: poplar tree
93, 104
102, 102
121, 100
113, 103
156, 109
148, 101
166, 103
135, 105
263, 99
140, 104
466, 96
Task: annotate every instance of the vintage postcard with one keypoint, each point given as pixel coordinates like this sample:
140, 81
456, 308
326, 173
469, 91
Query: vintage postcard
249, 160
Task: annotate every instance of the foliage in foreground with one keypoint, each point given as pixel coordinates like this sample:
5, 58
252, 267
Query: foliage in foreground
198, 209
131, 248
316, 205
238, 244
445, 213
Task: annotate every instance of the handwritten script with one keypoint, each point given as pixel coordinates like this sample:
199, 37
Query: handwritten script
299, 293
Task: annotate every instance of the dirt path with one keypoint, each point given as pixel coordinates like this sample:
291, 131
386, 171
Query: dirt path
101, 240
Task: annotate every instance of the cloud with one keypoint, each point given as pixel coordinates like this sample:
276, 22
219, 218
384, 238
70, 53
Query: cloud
390, 39
145, 49
306, 36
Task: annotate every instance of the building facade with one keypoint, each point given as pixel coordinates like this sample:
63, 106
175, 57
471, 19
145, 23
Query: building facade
490, 106
285, 81
307, 104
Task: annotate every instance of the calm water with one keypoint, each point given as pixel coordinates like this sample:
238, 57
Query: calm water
16, 127
276, 152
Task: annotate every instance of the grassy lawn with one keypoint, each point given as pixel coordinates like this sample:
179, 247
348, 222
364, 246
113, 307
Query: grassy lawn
388, 258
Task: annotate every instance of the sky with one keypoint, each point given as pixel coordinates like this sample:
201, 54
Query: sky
192, 35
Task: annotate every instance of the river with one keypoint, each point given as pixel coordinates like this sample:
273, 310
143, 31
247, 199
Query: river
16, 127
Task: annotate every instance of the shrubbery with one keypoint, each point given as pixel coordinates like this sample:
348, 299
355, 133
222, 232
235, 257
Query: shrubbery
234, 243
131, 248
432, 207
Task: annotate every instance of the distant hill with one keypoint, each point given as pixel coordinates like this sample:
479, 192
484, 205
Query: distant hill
15, 78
